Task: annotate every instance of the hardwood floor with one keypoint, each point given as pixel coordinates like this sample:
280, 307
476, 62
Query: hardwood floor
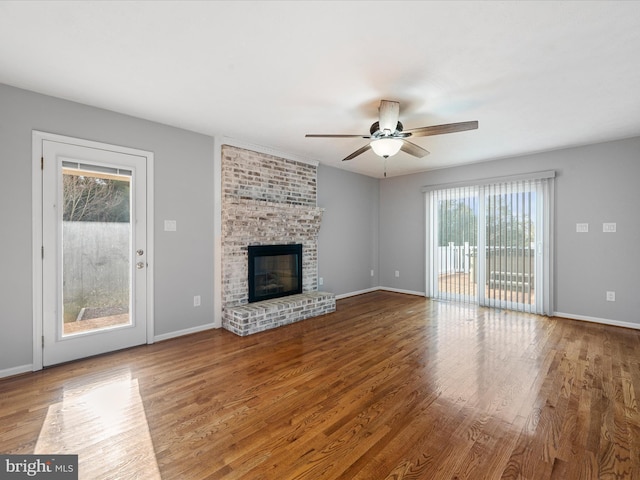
390, 386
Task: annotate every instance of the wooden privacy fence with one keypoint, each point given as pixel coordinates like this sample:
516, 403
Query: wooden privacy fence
96, 264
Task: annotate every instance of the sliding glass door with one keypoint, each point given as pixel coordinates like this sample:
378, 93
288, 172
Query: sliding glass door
489, 243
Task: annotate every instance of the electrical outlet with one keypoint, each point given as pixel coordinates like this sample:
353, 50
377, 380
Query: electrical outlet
609, 227
372, 272
320, 281
196, 301
611, 296
170, 226
397, 273
582, 227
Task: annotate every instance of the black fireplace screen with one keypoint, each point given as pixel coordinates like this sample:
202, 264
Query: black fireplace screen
274, 271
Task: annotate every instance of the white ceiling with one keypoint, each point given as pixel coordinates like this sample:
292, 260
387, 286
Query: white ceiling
536, 75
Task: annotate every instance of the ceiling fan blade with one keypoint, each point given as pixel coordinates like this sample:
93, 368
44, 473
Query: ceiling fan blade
442, 129
389, 112
413, 149
358, 152
322, 135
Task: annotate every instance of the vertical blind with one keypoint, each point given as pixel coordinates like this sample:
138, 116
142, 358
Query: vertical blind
490, 243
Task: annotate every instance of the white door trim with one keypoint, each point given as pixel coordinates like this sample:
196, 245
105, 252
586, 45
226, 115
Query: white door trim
37, 230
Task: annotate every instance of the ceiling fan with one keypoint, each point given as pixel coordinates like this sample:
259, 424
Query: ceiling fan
388, 137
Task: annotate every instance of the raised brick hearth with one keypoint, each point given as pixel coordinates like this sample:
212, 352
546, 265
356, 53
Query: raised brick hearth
258, 316
267, 200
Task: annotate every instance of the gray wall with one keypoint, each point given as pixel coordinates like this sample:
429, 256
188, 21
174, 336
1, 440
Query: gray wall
368, 223
183, 192
347, 243
594, 184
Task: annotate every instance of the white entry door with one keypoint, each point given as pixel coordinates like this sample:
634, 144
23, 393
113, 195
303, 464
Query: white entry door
94, 236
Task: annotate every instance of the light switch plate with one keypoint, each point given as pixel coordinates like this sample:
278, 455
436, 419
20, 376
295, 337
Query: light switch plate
170, 226
582, 227
609, 227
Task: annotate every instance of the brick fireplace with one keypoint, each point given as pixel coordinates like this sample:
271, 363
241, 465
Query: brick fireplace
268, 200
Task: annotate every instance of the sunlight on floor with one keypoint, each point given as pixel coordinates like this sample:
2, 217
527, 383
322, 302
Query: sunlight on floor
104, 423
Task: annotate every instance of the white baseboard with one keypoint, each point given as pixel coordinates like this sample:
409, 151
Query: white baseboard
604, 321
375, 289
359, 292
9, 372
408, 292
186, 331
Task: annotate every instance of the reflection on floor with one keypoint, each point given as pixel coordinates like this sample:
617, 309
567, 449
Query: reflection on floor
100, 422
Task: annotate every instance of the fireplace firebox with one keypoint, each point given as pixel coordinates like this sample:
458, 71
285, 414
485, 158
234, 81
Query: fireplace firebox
274, 271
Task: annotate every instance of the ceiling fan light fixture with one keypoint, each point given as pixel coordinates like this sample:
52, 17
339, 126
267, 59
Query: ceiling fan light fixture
386, 147
387, 136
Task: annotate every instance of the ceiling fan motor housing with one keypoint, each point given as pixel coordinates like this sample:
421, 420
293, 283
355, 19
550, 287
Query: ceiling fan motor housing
387, 142
375, 129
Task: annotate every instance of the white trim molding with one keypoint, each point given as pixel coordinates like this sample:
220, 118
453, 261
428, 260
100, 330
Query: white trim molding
186, 331
359, 292
20, 369
407, 292
602, 321
377, 289
37, 139
217, 232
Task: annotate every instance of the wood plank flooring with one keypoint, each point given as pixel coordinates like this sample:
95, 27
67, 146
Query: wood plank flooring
390, 386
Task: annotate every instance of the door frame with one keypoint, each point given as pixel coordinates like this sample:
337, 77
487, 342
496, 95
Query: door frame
37, 231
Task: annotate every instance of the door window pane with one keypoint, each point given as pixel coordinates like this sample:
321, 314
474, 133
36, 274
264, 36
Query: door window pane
96, 246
